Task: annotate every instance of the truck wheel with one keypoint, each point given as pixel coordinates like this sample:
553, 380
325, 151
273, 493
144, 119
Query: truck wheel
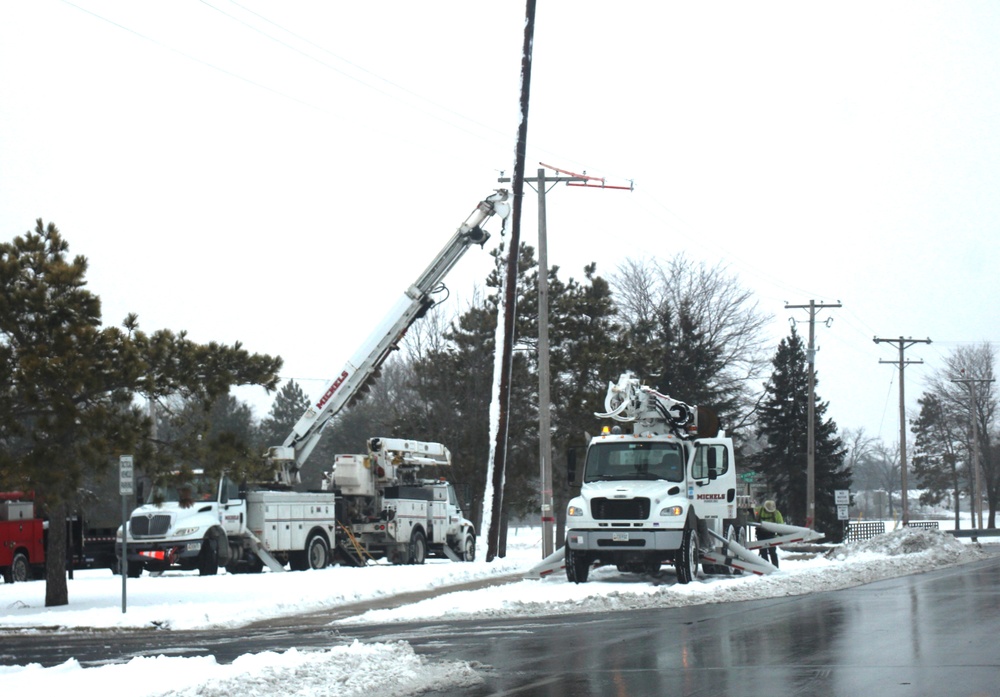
318, 552
418, 547
19, 570
208, 560
469, 548
687, 557
577, 566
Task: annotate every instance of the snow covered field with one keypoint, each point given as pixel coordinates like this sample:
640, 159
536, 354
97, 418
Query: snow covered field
187, 601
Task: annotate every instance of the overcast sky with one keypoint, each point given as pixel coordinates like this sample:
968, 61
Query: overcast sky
278, 174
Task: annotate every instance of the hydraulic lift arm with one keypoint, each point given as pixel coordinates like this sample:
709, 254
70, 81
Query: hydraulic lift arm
364, 365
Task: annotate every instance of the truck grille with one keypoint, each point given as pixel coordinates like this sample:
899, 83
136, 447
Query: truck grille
149, 525
620, 509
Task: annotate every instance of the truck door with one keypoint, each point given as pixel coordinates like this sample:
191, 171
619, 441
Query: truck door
712, 480
232, 507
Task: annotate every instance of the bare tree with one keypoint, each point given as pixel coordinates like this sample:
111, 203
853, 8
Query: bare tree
730, 324
975, 363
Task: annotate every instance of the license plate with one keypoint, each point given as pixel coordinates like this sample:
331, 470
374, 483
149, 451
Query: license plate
619, 537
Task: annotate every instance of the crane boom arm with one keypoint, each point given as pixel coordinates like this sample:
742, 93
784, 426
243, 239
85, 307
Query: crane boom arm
630, 401
364, 365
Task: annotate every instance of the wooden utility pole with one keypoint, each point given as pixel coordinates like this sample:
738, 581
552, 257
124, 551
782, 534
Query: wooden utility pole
902, 344
813, 307
504, 368
544, 184
977, 496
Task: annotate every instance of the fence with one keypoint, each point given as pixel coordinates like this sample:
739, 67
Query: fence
864, 531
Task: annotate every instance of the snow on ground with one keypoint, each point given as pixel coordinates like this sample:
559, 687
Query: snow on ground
187, 601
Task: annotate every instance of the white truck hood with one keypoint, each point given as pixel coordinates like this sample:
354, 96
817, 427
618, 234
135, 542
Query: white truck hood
655, 490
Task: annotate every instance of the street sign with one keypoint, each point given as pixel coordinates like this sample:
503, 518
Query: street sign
126, 476
842, 497
748, 477
842, 512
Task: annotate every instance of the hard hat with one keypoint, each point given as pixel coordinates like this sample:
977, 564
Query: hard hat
769, 506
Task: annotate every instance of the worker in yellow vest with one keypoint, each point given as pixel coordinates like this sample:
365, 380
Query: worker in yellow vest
768, 513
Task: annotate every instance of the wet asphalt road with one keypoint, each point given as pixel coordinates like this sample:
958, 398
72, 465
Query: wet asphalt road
927, 634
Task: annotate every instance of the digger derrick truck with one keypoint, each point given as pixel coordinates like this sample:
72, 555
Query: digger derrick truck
663, 494
387, 511
243, 528
649, 497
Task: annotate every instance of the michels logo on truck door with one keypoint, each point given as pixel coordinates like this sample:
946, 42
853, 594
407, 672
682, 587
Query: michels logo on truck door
710, 497
333, 388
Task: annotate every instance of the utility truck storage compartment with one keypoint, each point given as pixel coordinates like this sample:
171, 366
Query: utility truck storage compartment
16, 510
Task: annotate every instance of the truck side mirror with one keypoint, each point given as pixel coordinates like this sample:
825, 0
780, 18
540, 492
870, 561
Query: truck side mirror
713, 467
571, 467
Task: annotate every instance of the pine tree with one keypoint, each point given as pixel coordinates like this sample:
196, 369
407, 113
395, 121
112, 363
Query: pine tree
935, 458
69, 384
585, 355
783, 426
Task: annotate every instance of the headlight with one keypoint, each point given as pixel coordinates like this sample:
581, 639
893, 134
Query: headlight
184, 532
672, 511
574, 511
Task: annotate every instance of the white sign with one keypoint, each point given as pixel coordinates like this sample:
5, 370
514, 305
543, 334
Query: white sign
842, 497
842, 512
126, 476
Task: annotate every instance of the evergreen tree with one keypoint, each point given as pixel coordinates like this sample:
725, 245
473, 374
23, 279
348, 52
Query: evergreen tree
935, 457
289, 404
783, 425
69, 385
585, 356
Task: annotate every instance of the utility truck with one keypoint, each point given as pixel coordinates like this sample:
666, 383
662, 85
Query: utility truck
22, 539
207, 523
665, 493
388, 511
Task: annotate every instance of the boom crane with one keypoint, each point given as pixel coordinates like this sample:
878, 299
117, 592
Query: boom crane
289, 457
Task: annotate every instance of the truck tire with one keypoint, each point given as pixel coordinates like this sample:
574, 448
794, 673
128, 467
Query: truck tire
317, 552
418, 547
577, 566
19, 570
469, 548
208, 560
687, 556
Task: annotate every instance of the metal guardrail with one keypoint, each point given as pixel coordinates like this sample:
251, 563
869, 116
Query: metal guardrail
976, 532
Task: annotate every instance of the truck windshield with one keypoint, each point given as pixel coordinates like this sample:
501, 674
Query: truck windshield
185, 492
631, 460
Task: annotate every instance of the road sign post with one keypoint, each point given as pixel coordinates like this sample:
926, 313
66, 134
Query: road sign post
126, 487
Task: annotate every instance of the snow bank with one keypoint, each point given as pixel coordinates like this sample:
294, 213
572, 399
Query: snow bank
893, 554
389, 670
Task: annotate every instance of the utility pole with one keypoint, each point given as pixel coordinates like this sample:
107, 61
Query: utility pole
544, 184
813, 307
977, 503
503, 363
902, 344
